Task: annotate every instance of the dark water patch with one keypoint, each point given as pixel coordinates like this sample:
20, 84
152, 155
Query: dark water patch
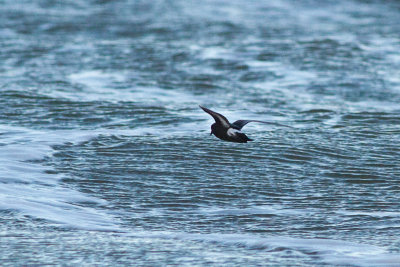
257, 76
295, 157
267, 55
228, 65
373, 117
38, 110
364, 180
328, 48
312, 111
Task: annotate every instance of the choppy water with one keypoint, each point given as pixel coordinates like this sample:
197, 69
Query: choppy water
106, 158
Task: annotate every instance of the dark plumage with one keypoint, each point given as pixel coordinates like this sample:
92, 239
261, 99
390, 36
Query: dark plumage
227, 131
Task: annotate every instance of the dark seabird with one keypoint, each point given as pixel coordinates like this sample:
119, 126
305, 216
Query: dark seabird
227, 131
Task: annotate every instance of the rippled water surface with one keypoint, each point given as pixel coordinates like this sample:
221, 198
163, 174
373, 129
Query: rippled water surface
106, 158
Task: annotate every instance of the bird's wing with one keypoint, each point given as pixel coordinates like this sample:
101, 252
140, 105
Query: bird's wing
241, 123
217, 117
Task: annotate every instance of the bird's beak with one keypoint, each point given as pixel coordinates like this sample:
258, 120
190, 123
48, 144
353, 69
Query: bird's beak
211, 133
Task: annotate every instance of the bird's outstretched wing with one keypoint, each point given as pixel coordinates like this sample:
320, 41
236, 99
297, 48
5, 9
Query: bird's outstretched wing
217, 117
241, 123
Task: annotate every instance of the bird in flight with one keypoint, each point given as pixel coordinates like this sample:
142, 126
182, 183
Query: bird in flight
231, 132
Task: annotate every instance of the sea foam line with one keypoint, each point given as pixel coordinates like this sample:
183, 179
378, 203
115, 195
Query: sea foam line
329, 250
28, 189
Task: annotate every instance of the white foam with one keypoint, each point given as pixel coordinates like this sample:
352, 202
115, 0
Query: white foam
28, 189
378, 214
384, 260
291, 87
60, 11
328, 250
98, 85
216, 52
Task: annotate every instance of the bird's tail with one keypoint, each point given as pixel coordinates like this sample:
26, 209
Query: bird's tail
243, 137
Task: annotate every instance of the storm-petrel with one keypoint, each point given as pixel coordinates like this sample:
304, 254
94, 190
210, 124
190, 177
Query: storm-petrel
227, 131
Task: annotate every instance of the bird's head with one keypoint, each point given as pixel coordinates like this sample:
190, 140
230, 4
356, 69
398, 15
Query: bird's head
213, 128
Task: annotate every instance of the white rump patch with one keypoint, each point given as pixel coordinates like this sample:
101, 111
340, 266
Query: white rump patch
232, 132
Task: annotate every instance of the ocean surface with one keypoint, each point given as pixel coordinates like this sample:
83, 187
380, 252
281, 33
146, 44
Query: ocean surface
106, 158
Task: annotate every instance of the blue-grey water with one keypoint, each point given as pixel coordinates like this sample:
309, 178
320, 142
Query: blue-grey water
106, 158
